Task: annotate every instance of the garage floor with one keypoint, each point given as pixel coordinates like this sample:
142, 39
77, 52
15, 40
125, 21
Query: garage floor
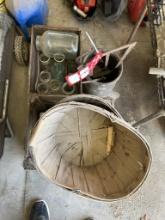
138, 98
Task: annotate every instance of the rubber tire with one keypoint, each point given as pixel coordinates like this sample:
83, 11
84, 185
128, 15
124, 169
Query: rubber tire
21, 50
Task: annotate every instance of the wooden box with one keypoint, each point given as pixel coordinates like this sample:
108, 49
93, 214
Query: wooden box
37, 104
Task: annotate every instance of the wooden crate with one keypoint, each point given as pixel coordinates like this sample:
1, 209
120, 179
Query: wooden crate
37, 104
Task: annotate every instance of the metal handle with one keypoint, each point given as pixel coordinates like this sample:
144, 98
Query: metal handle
156, 115
4, 110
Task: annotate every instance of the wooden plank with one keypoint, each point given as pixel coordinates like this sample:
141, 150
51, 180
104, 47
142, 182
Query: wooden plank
114, 175
94, 182
50, 165
107, 179
80, 182
110, 139
65, 176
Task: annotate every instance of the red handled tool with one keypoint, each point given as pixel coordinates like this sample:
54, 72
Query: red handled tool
85, 5
88, 69
84, 72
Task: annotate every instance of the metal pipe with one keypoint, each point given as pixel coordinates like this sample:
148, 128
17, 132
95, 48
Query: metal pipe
156, 115
120, 48
5, 101
135, 29
92, 42
128, 48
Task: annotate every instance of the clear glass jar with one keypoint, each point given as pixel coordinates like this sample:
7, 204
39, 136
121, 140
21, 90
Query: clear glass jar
58, 43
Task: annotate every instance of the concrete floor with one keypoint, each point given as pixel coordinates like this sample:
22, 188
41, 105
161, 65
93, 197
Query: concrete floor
138, 98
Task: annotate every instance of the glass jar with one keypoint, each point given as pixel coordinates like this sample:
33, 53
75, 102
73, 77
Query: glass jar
58, 43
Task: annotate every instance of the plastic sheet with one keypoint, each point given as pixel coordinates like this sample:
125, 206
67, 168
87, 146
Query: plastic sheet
28, 13
118, 6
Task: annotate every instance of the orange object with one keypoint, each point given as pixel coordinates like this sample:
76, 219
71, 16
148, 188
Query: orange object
85, 5
135, 8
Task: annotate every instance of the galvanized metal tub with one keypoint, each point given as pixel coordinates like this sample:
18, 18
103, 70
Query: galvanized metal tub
103, 88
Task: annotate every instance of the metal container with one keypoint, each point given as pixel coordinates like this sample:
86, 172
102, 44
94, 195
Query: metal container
103, 88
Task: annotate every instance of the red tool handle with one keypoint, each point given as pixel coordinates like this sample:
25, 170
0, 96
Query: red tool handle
83, 73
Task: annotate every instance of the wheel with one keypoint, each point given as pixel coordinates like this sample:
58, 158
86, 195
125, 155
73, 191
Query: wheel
21, 50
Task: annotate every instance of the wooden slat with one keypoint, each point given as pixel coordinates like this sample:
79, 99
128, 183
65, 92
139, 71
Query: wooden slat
80, 179
107, 179
50, 166
65, 176
94, 182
